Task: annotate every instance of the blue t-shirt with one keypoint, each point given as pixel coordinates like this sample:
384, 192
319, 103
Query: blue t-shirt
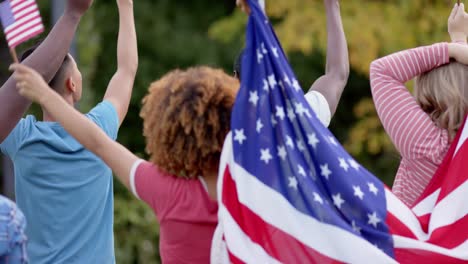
64, 190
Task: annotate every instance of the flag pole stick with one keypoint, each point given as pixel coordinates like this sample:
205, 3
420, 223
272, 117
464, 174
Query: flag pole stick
13, 55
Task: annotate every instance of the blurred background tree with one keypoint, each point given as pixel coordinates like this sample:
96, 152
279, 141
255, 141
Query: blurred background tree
180, 34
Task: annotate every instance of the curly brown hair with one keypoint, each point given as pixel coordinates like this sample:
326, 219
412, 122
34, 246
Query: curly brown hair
186, 117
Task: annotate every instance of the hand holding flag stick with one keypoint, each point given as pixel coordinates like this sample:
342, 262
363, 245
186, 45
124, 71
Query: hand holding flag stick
21, 21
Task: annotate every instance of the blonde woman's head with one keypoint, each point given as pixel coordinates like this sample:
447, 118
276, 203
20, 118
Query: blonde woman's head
443, 94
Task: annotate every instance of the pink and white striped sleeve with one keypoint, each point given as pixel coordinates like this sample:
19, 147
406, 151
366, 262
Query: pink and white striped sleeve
410, 128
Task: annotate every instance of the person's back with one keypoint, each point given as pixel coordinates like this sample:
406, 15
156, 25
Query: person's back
64, 190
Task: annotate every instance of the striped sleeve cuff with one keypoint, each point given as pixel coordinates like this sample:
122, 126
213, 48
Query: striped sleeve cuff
132, 177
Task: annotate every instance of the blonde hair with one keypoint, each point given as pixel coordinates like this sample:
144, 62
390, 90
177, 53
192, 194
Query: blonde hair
186, 117
443, 94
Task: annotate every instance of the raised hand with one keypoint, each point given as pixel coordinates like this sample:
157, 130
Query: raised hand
244, 6
78, 7
458, 23
29, 83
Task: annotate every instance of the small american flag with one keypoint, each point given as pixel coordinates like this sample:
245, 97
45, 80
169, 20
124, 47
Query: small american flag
21, 21
290, 193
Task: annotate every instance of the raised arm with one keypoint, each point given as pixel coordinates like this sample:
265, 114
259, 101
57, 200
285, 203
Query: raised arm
331, 85
120, 87
409, 127
46, 59
116, 156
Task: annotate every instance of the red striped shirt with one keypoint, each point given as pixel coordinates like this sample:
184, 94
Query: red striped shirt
421, 144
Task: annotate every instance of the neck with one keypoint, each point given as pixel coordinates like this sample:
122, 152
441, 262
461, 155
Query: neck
47, 117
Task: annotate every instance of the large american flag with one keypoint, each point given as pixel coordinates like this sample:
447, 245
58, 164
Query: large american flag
21, 21
290, 193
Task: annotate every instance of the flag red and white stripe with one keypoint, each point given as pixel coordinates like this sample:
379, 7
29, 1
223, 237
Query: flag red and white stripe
24, 22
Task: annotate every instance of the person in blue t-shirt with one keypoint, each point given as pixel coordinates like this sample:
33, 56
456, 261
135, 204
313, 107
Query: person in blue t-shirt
65, 191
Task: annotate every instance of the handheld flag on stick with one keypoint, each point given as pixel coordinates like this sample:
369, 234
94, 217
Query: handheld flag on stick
21, 21
290, 193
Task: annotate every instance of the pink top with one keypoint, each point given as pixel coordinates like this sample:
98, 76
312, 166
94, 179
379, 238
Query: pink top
186, 214
422, 145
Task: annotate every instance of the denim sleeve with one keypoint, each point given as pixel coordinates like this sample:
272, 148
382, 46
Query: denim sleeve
12, 233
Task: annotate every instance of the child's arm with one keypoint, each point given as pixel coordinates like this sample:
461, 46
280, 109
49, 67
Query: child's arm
332, 84
46, 59
120, 87
31, 85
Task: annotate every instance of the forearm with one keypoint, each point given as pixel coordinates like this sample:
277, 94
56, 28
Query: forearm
337, 47
127, 51
120, 87
400, 67
46, 59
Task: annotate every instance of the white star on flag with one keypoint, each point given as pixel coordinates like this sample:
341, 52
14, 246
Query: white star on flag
301, 110
301, 171
343, 164
337, 200
289, 142
372, 188
275, 51
332, 140
280, 112
313, 140
282, 152
373, 219
296, 85
259, 126
353, 164
358, 192
355, 228
300, 145
253, 98
317, 198
325, 171
265, 155
292, 182
240, 136
291, 114
272, 81
265, 85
